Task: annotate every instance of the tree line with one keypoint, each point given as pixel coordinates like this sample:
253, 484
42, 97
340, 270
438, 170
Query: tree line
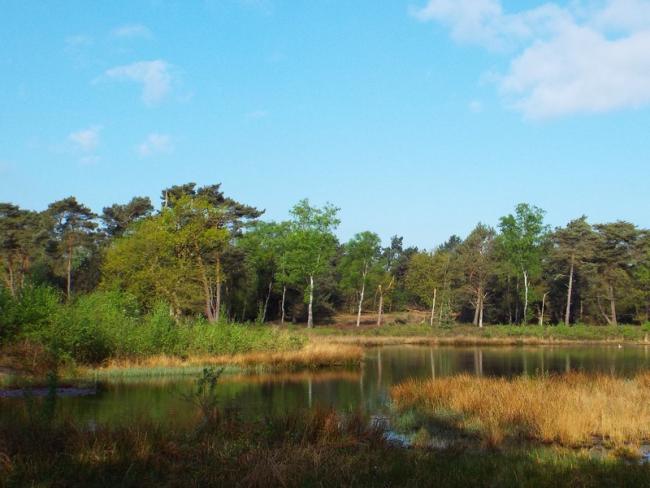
202, 253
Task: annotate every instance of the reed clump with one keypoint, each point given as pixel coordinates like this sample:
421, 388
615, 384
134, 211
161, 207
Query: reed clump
570, 410
311, 356
318, 448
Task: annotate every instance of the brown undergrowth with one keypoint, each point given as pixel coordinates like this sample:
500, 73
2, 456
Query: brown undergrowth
570, 410
311, 356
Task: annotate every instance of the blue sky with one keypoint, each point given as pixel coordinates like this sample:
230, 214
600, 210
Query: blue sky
416, 118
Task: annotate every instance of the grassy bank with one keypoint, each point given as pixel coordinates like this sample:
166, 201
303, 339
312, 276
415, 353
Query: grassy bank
320, 448
489, 335
570, 410
310, 356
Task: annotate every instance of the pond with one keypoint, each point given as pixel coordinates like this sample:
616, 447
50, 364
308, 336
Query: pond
254, 395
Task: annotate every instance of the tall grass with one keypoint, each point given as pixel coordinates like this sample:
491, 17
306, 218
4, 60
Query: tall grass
319, 448
311, 356
570, 410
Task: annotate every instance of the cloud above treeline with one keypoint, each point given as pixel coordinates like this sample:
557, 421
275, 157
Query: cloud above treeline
154, 77
588, 57
85, 140
155, 144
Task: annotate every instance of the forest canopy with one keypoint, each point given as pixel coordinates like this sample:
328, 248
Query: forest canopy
201, 253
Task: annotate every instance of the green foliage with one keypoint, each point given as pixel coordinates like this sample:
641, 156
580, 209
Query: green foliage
110, 324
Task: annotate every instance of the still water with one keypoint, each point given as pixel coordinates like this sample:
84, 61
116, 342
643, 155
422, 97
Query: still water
165, 399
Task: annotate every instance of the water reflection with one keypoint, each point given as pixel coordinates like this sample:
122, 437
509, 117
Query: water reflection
162, 399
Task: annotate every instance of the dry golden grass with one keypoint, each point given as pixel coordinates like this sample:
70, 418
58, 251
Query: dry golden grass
571, 410
310, 356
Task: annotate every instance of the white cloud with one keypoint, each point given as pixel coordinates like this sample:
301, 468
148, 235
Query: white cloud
85, 140
154, 76
566, 60
155, 144
130, 31
624, 14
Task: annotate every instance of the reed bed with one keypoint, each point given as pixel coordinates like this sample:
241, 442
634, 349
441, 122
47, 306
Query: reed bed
319, 448
570, 410
311, 356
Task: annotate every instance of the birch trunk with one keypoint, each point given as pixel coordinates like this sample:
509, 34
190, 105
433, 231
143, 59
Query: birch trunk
266, 302
217, 305
525, 318
310, 312
433, 306
567, 313
541, 315
480, 315
612, 304
363, 290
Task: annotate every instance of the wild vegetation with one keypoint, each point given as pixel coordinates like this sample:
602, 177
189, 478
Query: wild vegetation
132, 281
570, 410
314, 448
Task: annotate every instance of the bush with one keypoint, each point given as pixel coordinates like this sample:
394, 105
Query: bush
109, 324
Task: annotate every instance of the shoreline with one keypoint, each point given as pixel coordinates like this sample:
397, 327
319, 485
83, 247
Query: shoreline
369, 341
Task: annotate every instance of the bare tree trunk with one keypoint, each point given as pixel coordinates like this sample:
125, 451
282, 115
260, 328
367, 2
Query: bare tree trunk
433, 306
612, 304
480, 315
541, 315
476, 306
381, 306
525, 318
567, 314
266, 302
608, 319
284, 294
363, 291
219, 280
310, 312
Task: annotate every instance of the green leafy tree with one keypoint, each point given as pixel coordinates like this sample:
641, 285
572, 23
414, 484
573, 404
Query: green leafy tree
266, 246
522, 240
360, 262
617, 245
311, 245
72, 228
574, 246
21, 237
475, 263
235, 217
117, 218
146, 264
642, 273
427, 276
